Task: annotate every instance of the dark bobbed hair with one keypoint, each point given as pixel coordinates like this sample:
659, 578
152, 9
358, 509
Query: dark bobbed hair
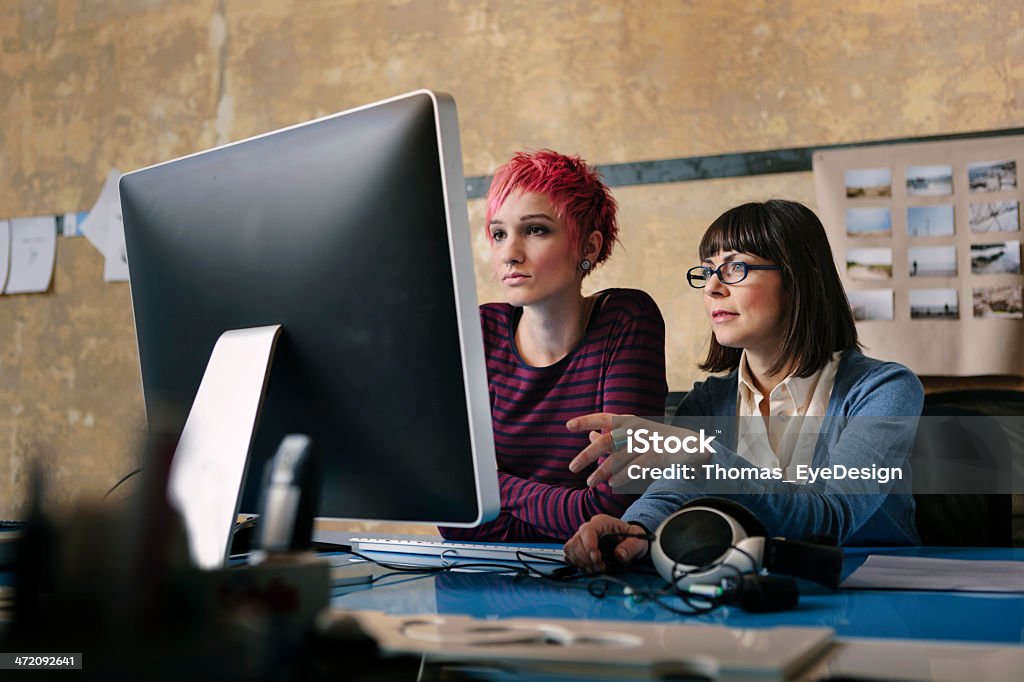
818, 319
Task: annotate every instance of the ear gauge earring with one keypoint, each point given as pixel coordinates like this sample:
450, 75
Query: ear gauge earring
585, 264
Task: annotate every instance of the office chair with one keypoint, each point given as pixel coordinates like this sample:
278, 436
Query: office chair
672, 402
962, 441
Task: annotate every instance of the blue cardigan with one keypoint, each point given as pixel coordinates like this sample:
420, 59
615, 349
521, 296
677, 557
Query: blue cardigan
882, 401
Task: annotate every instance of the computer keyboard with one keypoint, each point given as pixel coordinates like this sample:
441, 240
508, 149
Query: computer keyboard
458, 550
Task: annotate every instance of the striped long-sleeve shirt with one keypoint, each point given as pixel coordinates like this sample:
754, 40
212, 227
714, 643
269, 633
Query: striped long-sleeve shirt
618, 367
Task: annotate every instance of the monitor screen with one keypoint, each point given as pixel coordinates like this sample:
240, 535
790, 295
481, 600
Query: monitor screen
351, 232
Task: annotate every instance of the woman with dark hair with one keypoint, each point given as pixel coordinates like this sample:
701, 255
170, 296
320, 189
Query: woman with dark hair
801, 395
553, 353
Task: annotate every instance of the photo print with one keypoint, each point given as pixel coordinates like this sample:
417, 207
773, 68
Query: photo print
929, 181
868, 182
992, 176
871, 304
869, 263
930, 221
934, 304
1000, 301
995, 259
868, 222
932, 261
995, 216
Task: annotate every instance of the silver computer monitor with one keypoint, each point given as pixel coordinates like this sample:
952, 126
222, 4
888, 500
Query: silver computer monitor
350, 232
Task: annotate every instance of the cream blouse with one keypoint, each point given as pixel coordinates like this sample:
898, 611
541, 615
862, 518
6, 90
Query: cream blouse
796, 409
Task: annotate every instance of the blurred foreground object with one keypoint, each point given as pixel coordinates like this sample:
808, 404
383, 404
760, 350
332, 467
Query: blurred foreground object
115, 584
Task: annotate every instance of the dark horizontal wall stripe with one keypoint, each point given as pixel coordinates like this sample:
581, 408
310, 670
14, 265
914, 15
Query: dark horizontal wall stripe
738, 165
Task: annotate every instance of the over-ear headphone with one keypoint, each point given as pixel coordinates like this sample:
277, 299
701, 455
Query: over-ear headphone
711, 539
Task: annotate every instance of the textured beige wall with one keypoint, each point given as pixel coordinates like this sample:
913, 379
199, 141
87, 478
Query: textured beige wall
86, 85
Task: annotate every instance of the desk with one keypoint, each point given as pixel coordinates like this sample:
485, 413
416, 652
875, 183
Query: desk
879, 634
940, 616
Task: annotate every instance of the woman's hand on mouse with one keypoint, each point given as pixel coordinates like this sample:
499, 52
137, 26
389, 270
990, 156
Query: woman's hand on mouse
583, 549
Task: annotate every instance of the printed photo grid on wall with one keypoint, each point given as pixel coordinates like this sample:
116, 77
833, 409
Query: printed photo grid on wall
927, 238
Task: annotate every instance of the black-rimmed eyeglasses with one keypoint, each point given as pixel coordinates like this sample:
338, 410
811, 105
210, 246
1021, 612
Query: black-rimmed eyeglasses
730, 272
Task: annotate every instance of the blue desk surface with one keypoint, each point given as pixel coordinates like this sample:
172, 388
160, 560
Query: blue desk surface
953, 616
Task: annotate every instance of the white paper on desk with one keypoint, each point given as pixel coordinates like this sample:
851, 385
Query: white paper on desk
5, 252
948, 575
33, 252
618, 649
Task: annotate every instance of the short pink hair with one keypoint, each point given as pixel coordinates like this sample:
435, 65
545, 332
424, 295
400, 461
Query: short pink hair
578, 195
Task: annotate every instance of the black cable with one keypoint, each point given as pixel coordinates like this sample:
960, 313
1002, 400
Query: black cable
697, 604
720, 563
537, 558
598, 586
432, 570
708, 566
649, 537
123, 479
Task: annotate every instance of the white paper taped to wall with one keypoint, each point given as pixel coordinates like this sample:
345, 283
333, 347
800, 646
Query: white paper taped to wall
104, 228
71, 224
5, 252
33, 252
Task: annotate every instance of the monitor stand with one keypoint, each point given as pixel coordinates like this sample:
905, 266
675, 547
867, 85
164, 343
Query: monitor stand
210, 462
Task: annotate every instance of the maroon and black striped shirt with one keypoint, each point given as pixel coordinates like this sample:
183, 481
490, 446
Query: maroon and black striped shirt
618, 367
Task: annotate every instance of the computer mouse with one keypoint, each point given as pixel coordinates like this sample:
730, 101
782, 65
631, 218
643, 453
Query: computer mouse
607, 544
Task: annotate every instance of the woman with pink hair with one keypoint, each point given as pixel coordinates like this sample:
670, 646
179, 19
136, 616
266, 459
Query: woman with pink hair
553, 353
